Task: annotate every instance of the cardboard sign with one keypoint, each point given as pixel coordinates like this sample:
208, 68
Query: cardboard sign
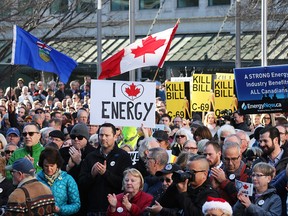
224, 76
123, 103
224, 96
202, 93
178, 99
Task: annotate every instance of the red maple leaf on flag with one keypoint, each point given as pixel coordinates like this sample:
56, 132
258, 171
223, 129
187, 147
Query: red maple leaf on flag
245, 187
150, 44
132, 91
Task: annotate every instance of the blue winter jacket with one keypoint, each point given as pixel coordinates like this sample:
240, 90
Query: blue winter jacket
65, 191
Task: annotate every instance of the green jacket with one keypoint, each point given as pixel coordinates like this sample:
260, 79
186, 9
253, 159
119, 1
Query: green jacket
34, 151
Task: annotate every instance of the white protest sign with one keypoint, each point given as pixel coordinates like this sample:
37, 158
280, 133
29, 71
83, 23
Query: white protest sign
181, 79
158, 127
135, 156
244, 187
123, 103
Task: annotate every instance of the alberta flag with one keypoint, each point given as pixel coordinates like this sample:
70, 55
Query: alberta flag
29, 50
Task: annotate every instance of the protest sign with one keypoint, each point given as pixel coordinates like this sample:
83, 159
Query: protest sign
244, 187
262, 89
178, 99
135, 156
123, 103
202, 93
224, 96
224, 76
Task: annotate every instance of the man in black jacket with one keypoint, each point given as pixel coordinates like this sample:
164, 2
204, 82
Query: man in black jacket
187, 197
102, 171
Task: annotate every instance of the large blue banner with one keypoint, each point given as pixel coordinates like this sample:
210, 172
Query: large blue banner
262, 89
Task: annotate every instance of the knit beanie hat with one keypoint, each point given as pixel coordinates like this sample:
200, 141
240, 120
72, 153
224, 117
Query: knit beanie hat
217, 203
80, 129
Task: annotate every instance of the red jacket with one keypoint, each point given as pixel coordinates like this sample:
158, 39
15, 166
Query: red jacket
139, 202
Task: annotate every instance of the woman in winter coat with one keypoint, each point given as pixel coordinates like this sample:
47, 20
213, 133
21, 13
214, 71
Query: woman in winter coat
264, 201
62, 185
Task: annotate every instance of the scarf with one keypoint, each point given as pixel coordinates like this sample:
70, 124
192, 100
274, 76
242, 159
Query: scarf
52, 178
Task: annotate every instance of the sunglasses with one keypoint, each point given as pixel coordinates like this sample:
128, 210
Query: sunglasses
180, 136
30, 133
9, 152
168, 180
79, 137
39, 112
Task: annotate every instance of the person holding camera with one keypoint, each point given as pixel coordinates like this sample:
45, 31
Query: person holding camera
189, 190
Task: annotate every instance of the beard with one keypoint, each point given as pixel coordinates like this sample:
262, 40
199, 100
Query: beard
268, 150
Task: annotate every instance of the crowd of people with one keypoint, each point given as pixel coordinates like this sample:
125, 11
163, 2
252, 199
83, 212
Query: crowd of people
54, 161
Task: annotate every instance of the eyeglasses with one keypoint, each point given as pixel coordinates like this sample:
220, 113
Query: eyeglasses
180, 136
257, 175
168, 180
30, 133
79, 137
9, 152
39, 112
231, 159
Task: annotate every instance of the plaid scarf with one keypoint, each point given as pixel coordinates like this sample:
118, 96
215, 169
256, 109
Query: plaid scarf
52, 178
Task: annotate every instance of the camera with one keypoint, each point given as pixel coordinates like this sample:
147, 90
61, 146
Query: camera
225, 116
180, 176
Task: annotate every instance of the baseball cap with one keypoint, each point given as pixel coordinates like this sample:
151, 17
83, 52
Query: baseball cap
23, 165
39, 109
13, 130
169, 168
160, 135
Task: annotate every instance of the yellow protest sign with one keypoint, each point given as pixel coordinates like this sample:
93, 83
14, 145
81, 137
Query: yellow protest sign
224, 76
201, 93
177, 99
224, 96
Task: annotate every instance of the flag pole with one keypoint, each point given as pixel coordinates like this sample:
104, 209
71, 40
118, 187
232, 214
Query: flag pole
177, 23
156, 73
99, 37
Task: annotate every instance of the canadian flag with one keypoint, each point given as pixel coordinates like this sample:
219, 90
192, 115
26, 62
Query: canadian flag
149, 51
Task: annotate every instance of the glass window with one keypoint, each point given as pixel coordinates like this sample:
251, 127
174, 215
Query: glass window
187, 3
59, 6
119, 5
149, 4
86, 6
218, 2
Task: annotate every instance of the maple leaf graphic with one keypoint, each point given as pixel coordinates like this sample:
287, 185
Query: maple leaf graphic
132, 91
245, 187
150, 44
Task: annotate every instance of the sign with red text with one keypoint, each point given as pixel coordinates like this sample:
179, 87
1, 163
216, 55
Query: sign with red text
123, 103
